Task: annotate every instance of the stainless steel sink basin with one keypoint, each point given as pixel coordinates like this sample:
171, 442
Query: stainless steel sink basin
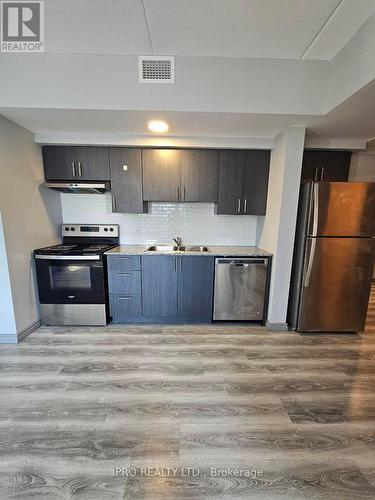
174, 248
194, 249
162, 248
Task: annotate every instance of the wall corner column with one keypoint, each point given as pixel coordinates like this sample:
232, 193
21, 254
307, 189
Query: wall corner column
277, 230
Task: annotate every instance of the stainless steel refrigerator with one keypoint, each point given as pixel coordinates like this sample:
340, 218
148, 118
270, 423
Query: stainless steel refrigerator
333, 257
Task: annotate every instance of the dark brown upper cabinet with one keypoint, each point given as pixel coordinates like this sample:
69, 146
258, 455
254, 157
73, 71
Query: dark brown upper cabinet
243, 182
76, 163
325, 165
161, 174
180, 175
126, 180
199, 175
59, 163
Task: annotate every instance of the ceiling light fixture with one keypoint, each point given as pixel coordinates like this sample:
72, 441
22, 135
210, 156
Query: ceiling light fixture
158, 126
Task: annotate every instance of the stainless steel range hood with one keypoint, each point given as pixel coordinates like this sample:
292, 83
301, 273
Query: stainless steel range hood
92, 187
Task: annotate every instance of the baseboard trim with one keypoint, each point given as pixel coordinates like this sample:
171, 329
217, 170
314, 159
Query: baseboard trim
26, 331
277, 327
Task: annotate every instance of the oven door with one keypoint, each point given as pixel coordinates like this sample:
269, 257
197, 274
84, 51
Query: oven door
75, 279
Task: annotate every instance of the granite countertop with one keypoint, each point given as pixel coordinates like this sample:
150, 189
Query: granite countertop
222, 251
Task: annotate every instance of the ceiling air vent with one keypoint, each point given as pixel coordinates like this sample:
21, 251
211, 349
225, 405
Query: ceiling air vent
156, 69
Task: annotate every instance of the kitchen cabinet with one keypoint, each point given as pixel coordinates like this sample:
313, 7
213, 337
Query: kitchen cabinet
195, 287
161, 174
59, 163
179, 287
255, 182
199, 175
180, 175
76, 163
126, 180
243, 182
159, 286
125, 287
325, 165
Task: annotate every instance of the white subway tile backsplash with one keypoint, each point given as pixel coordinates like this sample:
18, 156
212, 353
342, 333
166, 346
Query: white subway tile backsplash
195, 223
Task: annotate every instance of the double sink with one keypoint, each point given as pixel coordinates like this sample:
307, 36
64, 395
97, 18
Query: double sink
175, 248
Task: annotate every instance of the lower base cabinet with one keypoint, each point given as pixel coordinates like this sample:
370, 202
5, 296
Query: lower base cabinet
177, 287
161, 288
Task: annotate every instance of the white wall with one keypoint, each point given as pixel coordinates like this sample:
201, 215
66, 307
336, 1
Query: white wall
196, 223
7, 321
362, 168
353, 67
30, 216
277, 231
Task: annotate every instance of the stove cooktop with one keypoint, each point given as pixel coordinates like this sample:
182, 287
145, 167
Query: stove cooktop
75, 249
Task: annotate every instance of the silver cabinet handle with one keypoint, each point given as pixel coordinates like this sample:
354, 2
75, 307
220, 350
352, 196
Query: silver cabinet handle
245, 206
73, 169
178, 193
79, 169
184, 193
239, 205
114, 204
316, 173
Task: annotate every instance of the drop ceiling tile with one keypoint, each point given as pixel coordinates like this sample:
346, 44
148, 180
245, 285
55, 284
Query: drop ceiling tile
96, 27
236, 28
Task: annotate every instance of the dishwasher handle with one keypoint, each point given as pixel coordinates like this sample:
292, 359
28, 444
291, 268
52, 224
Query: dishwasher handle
242, 262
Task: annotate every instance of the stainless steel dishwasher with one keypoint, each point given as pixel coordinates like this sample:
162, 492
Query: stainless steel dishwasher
240, 287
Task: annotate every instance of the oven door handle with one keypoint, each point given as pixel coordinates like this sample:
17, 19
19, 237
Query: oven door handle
68, 257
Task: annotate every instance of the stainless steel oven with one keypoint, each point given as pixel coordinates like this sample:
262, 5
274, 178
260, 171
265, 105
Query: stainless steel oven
72, 279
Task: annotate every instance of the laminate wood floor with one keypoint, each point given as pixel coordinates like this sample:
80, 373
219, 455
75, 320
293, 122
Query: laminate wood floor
122, 412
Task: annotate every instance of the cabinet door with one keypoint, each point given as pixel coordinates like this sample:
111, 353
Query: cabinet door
255, 182
92, 163
199, 175
161, 174
60, 163
159, 286
321, 165
195, 286
126, 180
230, 182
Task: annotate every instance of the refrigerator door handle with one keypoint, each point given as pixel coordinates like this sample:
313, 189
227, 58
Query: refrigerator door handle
315, 209
310, 262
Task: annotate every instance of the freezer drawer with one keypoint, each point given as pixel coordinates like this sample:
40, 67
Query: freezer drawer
335, 284
240, 287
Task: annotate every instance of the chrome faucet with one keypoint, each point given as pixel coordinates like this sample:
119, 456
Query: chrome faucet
178, 242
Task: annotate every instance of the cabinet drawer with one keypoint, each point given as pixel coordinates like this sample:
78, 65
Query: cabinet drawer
124, 262
124, 282
125, 306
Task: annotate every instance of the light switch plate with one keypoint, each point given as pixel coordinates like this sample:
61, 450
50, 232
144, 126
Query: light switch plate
125, 168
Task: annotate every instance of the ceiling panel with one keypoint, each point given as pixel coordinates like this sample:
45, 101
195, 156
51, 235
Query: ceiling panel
236, 28
96, 27
347, 20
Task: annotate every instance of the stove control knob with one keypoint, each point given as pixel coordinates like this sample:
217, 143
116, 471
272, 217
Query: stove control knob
67, 229
111, 229
106, 229
72, 228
